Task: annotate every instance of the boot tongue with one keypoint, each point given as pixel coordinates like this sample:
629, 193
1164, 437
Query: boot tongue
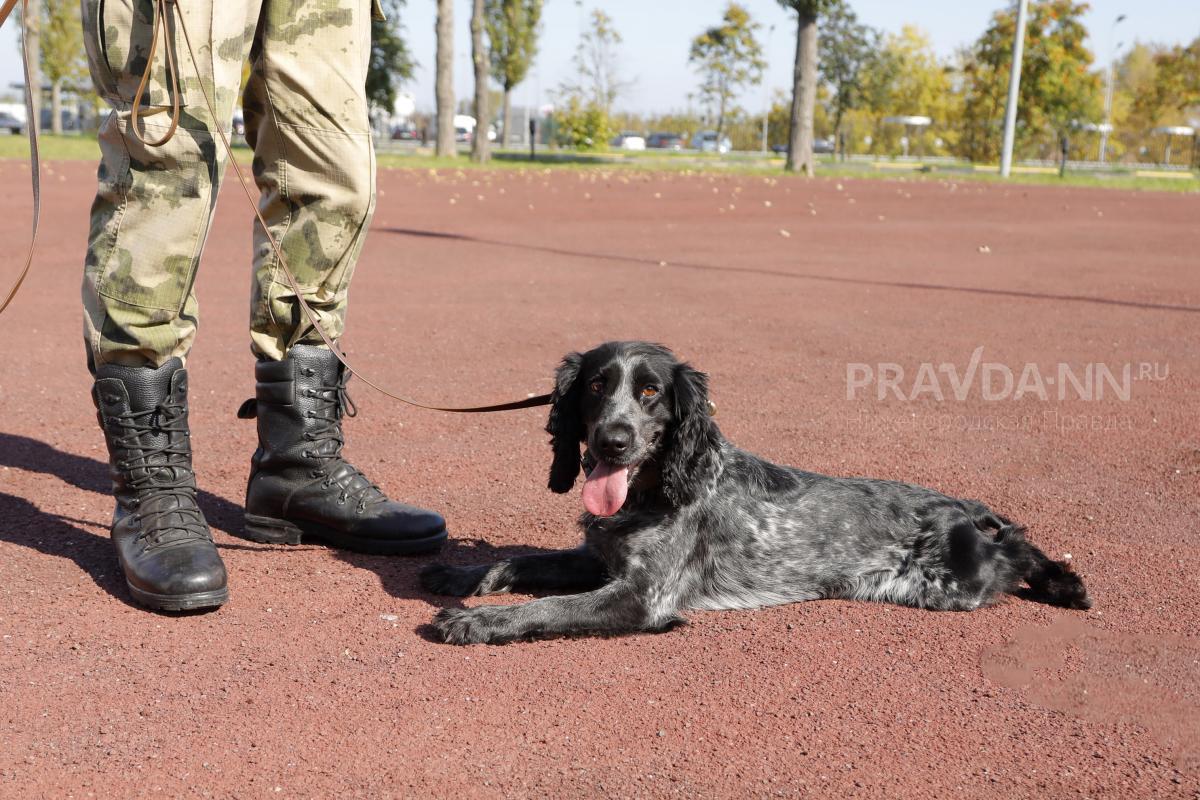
605, 489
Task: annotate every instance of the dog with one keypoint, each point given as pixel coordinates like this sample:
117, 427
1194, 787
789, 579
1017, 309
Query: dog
676, 518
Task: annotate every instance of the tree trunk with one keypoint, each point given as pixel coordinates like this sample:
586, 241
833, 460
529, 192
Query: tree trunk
34, 47
721, 117
444, 86
56, 107
507, 140
479, 55
804, 97
837, 132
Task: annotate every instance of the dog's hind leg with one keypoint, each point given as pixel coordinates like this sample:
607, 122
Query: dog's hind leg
566, 570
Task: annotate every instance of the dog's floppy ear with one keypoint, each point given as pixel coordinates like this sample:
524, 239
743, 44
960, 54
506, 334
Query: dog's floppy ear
691, 456
564, 426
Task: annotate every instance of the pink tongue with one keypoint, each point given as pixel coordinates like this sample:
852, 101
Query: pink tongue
605, 489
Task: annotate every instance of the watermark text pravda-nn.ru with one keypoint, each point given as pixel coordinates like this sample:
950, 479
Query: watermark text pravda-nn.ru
995, 382
992, 381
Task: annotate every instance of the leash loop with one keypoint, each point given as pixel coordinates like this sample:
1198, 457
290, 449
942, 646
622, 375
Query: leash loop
160, 19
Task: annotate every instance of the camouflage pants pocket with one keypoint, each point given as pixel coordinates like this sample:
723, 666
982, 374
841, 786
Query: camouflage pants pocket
117, 38
142, 266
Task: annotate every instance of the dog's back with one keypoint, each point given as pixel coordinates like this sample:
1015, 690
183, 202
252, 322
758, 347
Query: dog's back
770, 535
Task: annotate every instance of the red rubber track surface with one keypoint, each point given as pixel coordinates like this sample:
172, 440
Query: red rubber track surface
316, 680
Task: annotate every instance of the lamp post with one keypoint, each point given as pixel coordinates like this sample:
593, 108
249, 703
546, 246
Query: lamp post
1108, 90
1014, 89
766, 94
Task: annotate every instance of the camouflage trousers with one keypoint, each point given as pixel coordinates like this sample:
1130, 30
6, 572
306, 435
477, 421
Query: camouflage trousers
306, 119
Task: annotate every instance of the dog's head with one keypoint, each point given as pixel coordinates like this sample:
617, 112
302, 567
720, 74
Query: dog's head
645, 419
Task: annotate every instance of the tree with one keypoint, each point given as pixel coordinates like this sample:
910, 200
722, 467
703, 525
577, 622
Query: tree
1176, 85
846, 46
804, 82
599, 80
728, 57
512, 27
583, 118
391, 63
904, 77
482, 63
444, 81
1151, 88
62, 54
1058, 90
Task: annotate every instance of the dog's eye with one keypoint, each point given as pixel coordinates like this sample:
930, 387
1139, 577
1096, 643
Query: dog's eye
596, 386
649, 391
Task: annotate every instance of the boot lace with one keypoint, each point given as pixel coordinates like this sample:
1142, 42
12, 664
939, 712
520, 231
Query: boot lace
329, 440
160, 477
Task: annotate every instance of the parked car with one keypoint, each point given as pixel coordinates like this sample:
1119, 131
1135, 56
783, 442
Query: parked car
665, 141
14, 125
708, 142
406, 132
628, 141
819, 146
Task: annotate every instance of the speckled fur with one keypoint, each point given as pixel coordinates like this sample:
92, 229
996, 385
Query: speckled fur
709, 526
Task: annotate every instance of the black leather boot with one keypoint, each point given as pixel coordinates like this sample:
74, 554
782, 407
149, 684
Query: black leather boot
300, 488
163, 543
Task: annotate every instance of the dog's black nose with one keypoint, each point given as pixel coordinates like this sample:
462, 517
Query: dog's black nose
615, 442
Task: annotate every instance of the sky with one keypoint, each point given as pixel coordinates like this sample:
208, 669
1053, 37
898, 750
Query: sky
657, 34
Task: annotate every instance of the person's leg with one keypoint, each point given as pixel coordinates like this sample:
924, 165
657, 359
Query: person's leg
153, 205
149, 220
306, 118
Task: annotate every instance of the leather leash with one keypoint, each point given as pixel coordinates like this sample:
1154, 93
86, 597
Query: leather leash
35, 166
162, 20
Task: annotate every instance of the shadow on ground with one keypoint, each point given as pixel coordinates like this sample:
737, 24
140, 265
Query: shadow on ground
400, 575
91, 475
23, 523
803, 276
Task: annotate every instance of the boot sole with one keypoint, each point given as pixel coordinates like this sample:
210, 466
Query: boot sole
279, 531
179, 602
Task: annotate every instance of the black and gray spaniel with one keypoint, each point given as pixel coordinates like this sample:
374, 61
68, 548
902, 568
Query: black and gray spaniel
678, 518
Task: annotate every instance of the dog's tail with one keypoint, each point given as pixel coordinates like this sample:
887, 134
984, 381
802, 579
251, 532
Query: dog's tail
1051, 582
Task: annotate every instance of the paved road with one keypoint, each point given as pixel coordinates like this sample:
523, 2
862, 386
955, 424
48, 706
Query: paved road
797, 297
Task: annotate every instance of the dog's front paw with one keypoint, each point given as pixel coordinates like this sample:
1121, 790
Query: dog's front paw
469, 626
454, 581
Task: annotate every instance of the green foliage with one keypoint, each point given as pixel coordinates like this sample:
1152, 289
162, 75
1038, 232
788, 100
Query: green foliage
512, 29
391, 63
810, 8
903, 77
1058, 90
847, 46
1176, 84
728, 58
1153, 85
62, 53
581, 125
